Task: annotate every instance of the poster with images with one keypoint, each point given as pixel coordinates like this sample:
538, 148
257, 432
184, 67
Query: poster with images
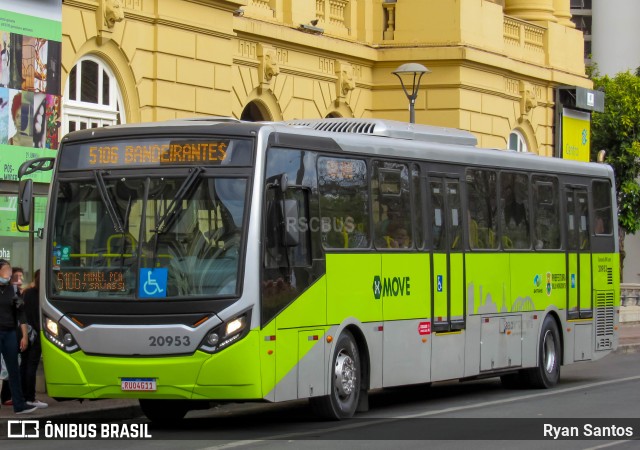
30, 91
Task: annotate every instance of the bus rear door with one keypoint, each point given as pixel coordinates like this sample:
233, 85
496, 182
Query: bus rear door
578, 282
447, 274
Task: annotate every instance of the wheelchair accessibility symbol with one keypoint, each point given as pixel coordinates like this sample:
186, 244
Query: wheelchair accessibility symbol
153, 283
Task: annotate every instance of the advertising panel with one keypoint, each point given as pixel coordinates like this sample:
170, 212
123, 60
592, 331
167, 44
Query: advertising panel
30, 91
576, 135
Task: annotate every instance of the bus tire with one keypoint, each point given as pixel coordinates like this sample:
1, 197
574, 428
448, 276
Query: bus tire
547, 373
345, 385
164, 412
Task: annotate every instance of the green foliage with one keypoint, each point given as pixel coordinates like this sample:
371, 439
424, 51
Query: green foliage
617, 130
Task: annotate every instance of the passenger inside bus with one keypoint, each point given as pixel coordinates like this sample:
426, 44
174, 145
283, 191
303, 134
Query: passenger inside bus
398, 236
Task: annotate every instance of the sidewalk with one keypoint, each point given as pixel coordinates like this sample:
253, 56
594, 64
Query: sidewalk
108, 409
119, 409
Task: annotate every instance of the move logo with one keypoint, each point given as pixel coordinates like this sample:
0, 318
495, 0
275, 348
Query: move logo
377, 287
391, 287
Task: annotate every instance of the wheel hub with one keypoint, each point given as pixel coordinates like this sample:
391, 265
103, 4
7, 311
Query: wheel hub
549, 352
345, 375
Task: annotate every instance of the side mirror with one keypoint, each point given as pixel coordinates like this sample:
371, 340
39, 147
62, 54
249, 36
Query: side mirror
291, 226
25, 203
284, 182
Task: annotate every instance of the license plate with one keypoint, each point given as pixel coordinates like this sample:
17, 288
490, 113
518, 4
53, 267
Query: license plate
138, 384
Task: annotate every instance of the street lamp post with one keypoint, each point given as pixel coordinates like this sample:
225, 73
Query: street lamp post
417, 70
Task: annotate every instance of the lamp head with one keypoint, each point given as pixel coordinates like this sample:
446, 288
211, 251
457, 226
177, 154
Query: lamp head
415, 69
411, 68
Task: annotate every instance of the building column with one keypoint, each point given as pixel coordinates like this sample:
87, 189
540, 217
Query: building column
531, 10
563, 12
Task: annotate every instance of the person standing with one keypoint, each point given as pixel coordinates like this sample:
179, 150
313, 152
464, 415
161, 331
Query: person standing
17, 279
12, 312
17, 276
31, 356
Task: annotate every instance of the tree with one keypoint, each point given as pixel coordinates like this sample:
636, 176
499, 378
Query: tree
617, 131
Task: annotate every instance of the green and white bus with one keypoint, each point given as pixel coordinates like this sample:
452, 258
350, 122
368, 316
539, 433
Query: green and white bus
210, 260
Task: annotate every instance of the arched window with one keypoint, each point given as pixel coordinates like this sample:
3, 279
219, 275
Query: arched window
517, 142
255, 112
92, 97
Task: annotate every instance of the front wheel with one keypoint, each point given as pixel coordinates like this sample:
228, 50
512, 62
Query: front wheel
164, 412
342, 401
547, 373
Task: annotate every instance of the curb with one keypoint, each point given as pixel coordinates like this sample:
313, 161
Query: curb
114, 413
111, 413
628, 348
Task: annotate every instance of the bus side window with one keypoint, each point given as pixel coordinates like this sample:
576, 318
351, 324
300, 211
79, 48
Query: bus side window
482, 202
546, 211
390, 187
602, 208
515, 210
344, 203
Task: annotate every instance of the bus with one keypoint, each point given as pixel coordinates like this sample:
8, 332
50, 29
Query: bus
199, 261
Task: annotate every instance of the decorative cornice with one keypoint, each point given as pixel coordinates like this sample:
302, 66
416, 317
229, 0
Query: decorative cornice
81, 4
225, 5
140, 16
194, 28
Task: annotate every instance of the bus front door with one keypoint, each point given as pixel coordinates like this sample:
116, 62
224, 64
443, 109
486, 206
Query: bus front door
578, 273
447, 264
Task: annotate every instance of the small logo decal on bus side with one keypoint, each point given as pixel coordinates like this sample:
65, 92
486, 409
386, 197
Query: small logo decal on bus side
377, 287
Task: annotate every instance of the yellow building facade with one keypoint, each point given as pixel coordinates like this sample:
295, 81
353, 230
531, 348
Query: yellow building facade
494, 64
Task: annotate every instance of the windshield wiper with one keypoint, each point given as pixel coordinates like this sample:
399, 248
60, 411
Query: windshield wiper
106, 199
174, 209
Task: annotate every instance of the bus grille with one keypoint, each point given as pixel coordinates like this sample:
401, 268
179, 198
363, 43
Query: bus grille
604, 319
389, 128
609, 275
342, 127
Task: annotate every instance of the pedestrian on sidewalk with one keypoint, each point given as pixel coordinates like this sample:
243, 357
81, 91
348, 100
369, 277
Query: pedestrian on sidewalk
17, 277
31, 356
11, 313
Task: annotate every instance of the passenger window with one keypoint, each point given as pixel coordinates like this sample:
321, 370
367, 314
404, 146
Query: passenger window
602, 207
482, 203
515, 210
344, 203
546, 212
391, 205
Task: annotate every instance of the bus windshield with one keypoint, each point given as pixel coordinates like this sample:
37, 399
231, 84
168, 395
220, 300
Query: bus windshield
147, 237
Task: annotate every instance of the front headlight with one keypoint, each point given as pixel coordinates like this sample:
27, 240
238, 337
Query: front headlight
235, 325
226, 333
51, 326
59, 336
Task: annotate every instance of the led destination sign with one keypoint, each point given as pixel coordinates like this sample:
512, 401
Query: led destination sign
90, 280
156, 152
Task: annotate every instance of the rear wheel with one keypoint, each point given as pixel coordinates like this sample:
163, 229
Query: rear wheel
342, 401
547, 373
164, 412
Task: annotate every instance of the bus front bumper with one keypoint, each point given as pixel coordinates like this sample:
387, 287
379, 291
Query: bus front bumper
232, 374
